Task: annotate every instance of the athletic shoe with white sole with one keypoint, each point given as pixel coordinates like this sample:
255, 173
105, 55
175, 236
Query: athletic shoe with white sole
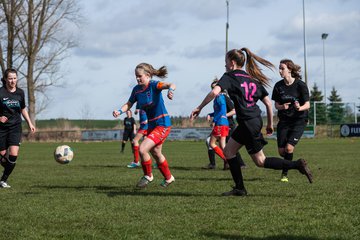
4, 185
165, 183
133, 165
144, 181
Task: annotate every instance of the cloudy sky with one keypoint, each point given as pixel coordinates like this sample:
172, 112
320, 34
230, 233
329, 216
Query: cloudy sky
188, 36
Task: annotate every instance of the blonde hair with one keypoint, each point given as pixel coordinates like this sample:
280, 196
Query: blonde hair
149, 69
251, 60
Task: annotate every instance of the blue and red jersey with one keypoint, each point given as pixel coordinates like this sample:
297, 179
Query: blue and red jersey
219, 114
143, 120
151, 101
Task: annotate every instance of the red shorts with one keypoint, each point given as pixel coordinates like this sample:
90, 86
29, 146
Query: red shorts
143, 132
220, 131
158, 134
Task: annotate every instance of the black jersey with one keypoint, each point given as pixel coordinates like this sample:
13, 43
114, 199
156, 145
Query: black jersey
297, 91
244, 92
129, 123
11, 105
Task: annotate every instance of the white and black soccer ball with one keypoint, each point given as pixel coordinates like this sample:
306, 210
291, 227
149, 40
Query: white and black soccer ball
63, 154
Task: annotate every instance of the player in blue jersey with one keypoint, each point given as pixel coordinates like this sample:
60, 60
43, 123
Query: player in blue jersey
291, 96
148, 96
142, 132
220, 125
245, 89
230, 112
12, 107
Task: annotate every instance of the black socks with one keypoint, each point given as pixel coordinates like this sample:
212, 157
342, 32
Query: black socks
235, 169
279, 164
289, 157
211, 155
9, 167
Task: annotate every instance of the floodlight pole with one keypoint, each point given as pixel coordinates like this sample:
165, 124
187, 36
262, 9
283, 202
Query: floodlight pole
305, 54
227, 26
323, 37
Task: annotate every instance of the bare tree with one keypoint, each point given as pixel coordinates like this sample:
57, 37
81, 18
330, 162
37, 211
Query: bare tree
41, 29
9, 30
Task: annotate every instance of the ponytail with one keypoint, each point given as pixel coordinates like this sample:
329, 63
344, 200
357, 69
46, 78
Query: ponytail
148, 68
245, 56
253, 69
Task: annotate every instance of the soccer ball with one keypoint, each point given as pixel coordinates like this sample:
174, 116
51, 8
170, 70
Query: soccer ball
63, 154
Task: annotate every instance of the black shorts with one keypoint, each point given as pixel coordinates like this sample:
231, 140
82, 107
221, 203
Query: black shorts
290, 132
128, 134
10, 136
248, 133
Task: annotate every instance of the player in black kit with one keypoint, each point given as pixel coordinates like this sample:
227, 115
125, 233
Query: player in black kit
291, 96
230, 112
129, 130
245, 89
12, 106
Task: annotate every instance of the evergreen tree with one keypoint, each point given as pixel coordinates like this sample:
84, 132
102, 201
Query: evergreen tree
316, 96
335, 109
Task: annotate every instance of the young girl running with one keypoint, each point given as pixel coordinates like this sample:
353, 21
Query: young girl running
291, 96
12, 107
148, 96
245, 89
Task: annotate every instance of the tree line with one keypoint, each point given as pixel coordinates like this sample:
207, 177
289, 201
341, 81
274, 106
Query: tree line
333, 112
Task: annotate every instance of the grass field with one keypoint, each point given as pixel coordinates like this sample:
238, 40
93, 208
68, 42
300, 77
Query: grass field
94, 197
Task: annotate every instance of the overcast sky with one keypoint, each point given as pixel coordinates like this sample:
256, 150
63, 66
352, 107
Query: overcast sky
188, 36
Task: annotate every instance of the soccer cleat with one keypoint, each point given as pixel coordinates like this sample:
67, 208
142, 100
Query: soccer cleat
4, 185
133, 165
304, 169
284, 178
165, 183
209, 166
236, 192
144, 181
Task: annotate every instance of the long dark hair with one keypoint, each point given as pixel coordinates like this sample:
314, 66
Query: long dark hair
294, 68
251, 60
6, 74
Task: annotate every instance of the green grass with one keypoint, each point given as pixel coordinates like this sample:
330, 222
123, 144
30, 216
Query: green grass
94, 197
71, 124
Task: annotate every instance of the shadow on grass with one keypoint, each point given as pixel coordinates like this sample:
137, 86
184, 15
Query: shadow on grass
113, 191
241, 237
101, 166
219, 179
181, 168
204, 179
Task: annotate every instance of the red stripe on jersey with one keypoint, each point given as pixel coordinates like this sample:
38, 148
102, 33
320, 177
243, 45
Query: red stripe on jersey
142, 90
156, 118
